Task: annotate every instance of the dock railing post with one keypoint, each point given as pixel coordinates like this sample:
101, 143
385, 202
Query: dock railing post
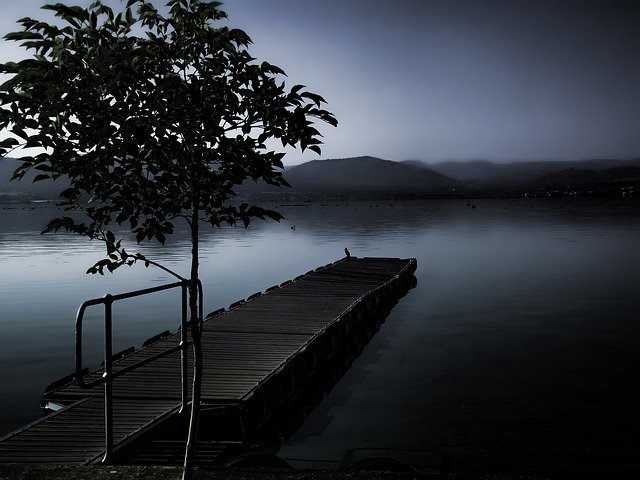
108, 375
108, 379
184, 345
200, 306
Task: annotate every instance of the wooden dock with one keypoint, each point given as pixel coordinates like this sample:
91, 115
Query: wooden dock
257, 352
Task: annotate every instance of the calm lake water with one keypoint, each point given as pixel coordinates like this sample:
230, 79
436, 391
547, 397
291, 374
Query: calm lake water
519, 345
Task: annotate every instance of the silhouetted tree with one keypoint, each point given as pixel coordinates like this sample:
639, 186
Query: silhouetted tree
153, 118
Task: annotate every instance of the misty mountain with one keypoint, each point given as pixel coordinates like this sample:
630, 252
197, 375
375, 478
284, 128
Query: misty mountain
371, 175
348, 175
577, 177
367, 174
519, 175
26, 188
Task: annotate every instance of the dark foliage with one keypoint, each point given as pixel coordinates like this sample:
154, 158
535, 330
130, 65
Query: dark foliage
145, 114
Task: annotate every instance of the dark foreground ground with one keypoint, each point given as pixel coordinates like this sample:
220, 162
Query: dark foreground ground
119, 472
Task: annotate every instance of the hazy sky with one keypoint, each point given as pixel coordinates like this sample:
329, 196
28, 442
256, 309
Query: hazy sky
451, 79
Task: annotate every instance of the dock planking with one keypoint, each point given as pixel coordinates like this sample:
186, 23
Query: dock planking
75, 434
254, 353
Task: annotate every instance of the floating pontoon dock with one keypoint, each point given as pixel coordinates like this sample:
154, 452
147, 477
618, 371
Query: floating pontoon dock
257, 353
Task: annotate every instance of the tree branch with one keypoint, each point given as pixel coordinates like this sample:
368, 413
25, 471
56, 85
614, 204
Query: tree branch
139, 256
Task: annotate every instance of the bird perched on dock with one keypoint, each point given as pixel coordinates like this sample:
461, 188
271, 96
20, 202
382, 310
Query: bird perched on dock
346, 252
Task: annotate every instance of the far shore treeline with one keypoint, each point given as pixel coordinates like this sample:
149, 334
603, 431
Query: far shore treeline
370, 176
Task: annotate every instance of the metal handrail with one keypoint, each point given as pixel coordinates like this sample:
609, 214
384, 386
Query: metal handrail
109, 375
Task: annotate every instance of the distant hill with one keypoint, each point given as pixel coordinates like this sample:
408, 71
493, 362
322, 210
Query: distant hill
570, 177
519, 175
464, 171
370, 175
24, 188
358, 175
367, 174
573, 177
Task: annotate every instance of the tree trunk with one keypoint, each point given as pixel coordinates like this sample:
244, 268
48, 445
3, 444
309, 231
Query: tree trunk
187, 471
